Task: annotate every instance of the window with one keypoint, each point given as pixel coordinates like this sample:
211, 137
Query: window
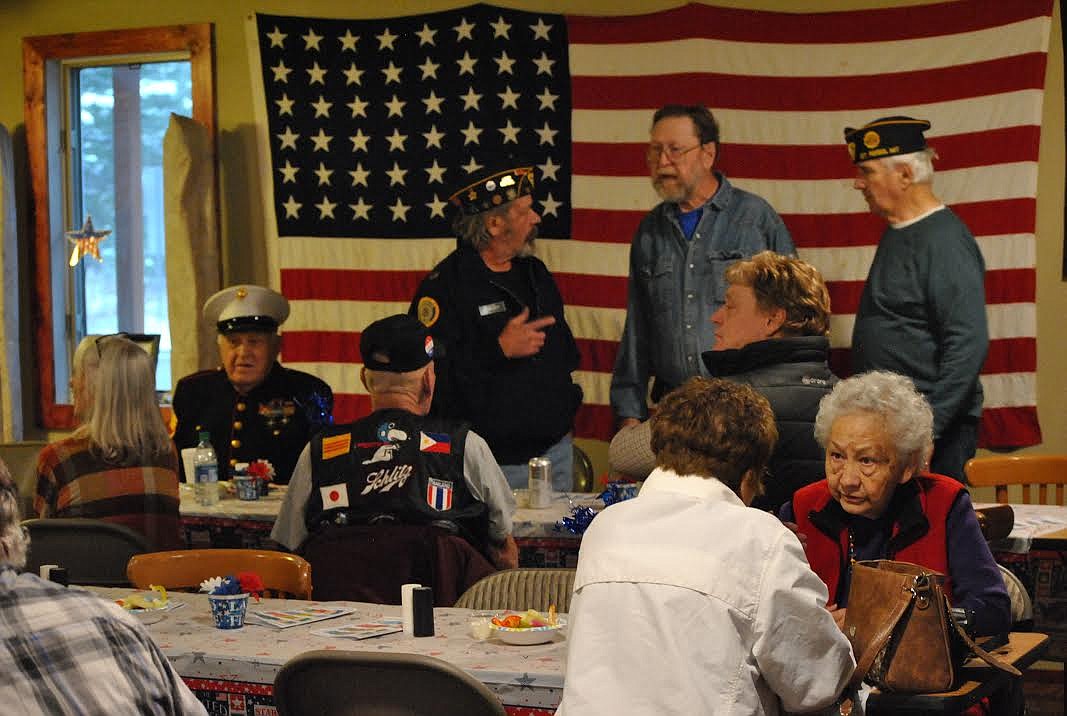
97, 107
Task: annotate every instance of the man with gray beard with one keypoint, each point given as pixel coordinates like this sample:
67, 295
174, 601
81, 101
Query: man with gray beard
504, 353
679, 256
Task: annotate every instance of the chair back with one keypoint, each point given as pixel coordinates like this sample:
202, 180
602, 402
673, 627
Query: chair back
94, 552
1022, 608
521, 589
339, 683
284, 575
369, 563
584, 479
1048, 473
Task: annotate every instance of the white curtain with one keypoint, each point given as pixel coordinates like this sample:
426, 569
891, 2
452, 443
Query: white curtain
193, 254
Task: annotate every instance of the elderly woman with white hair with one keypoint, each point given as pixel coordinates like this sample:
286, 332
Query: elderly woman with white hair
877, 501
119, 465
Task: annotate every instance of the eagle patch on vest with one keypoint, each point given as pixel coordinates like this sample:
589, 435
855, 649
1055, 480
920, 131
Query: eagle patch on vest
439, 494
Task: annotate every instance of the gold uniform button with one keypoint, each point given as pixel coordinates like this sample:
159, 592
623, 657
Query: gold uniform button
277, 432
240, 407
233, 461
237, 425
235, 443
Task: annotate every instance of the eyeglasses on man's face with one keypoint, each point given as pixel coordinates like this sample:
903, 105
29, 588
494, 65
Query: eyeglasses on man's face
673, 154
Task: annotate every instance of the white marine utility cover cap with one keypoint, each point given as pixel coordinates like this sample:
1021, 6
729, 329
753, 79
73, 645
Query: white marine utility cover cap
246, 308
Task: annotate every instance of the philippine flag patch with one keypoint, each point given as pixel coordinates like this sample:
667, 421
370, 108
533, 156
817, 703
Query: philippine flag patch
334, 496
439, 494
435, 442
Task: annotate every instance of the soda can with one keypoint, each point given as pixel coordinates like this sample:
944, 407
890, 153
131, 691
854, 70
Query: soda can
540, 482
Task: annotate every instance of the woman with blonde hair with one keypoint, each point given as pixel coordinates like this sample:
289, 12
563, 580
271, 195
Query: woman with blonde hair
119, 465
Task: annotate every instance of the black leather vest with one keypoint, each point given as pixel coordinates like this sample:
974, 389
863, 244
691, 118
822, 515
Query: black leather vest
394, 466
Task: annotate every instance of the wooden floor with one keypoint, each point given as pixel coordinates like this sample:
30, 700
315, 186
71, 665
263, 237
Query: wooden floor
1044, 692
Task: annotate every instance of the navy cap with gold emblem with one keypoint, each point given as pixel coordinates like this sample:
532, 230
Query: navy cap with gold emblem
246, 308
397, 344
886, 137
494, 188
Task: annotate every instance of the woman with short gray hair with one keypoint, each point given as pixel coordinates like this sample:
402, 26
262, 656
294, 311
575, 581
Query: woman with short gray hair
878, 501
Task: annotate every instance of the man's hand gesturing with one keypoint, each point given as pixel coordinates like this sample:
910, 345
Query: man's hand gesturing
521, 337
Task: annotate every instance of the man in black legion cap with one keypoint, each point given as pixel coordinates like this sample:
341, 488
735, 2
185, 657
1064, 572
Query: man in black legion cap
396, 465
254, 408
505, 352
922, 313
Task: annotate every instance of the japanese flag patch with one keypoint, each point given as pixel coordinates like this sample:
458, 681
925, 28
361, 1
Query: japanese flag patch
334, 496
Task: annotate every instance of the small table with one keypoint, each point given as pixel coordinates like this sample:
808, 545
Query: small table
980, 681
1035, 552
232, 671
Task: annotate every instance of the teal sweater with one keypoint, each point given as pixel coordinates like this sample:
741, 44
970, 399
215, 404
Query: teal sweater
922, 314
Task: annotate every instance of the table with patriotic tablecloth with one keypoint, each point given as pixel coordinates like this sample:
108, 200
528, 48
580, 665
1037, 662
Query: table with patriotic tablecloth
232, 671
241, 523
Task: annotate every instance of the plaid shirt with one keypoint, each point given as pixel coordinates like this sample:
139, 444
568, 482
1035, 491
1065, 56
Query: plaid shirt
63, 651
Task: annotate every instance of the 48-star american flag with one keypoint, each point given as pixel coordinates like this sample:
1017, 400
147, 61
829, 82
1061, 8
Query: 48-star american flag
367, 126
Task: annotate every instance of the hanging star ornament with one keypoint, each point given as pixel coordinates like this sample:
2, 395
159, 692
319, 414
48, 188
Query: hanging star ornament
86, 242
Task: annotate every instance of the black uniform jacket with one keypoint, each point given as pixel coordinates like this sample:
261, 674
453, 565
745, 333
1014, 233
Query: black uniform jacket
273, 421
521, 406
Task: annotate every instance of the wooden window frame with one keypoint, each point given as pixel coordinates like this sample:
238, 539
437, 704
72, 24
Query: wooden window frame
41, 56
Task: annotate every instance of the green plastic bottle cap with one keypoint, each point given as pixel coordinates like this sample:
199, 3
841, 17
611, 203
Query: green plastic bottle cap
205, 436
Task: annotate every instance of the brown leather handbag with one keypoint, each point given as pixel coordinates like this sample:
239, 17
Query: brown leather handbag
901, 632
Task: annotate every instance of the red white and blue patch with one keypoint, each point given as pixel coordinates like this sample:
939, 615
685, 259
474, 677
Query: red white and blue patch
435, 442
439, 494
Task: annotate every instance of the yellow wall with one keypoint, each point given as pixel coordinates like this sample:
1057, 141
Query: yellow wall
245, 255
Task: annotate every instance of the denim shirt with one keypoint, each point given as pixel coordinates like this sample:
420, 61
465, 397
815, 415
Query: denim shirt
675, 285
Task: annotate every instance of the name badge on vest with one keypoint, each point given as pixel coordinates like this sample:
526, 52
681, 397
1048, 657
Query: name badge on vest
489, 309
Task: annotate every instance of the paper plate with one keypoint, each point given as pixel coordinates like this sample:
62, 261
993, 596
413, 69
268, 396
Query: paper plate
530, 635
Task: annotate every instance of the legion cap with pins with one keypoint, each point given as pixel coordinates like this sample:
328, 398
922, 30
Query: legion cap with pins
886, 137
493, 188
246, 308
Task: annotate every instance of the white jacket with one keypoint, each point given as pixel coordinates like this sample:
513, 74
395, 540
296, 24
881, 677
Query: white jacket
688, 602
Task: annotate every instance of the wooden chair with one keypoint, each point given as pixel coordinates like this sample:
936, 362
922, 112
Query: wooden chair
1042, 471
94, 552
283, 574
339, 683
521, 589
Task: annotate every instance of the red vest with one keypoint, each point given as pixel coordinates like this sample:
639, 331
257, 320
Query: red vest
827, 555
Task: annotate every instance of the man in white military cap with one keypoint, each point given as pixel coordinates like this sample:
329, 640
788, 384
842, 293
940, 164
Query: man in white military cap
254, 408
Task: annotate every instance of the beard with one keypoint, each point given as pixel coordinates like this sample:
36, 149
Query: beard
672, 188
529, 248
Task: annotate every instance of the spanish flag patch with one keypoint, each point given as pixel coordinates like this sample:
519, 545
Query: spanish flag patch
336, 446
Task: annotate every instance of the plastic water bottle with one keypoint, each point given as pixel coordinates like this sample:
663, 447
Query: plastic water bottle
206, 471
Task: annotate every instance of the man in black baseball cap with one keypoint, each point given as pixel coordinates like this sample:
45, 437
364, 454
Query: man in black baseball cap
505, 352
253, 407
397, 464
922, 313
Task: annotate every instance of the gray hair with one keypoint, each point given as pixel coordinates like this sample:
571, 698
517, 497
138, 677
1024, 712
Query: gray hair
14, 541
921, 164
473, 229
123, 422
908, 418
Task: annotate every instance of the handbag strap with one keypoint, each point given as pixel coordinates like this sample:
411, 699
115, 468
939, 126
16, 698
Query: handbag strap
981, 653
880, 638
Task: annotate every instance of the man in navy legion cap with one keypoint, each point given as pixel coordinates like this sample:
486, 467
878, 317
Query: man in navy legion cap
397, 464
254, 408
504, 351
922, 313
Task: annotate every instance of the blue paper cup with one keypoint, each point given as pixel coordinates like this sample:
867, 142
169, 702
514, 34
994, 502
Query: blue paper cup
247, 488
228, 610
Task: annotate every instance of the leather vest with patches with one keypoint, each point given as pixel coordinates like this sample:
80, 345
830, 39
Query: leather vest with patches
394, 466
